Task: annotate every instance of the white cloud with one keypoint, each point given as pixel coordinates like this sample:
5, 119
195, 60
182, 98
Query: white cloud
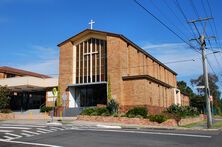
43, 60
48, 67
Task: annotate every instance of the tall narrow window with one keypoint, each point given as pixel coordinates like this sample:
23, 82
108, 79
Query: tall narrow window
91, 61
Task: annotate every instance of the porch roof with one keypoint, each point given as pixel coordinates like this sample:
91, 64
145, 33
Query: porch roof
86, 84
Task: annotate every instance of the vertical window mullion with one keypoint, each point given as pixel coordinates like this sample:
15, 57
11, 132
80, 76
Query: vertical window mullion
87, 61
83, 62
79, 62
96, 60
91, 61
100, 68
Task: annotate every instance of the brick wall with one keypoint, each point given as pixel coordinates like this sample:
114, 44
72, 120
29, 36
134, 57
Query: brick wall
65, 67
185, 101
124, 60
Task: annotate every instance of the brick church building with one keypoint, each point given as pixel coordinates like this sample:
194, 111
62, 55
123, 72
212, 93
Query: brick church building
91, 58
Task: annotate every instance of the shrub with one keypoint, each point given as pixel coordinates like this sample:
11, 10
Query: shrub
182, 111
113, 106
157, 118
178, 112
103, 111
137, 111
87, 111
45, 109
6, 111
4, 97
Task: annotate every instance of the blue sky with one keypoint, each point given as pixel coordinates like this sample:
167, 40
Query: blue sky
31, 29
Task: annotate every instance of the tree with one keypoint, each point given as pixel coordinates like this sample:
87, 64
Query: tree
4, 97
184, 88
197, 101
214, 90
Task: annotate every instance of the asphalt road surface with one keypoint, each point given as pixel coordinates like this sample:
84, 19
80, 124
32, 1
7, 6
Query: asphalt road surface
29, 135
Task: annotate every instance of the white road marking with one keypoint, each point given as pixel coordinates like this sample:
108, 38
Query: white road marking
5, 131
53, 129
27, 135
18, 125
57, 128
30, 132
9, 138
142, 132
19, 128
10, 134
29, 143
111, 127
44, 130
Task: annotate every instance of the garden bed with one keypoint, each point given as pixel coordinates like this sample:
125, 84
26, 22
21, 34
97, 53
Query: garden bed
140, 121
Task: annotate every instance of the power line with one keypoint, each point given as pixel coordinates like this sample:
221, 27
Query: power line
168, 19
184, 16
166, 26
183, 24
205, 10
212, 69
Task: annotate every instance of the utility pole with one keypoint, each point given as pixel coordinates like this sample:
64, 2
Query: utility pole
207, 91
202, 42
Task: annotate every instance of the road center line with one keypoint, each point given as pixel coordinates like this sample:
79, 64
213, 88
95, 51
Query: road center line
143, 132
29, 143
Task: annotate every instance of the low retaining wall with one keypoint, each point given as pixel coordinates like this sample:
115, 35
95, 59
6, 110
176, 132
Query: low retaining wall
5, 116
31, 116
139, 121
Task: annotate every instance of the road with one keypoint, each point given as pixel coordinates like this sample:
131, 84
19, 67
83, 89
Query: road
78, 136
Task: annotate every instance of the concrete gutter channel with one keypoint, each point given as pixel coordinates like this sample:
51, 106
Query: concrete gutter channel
84, 124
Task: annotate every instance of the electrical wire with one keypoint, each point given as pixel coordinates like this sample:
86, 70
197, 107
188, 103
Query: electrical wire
166, 26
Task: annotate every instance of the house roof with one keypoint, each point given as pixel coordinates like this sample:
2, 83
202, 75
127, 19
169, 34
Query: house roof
20, 72
87, 31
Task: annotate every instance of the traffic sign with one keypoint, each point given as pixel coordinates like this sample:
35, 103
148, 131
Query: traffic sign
54, 91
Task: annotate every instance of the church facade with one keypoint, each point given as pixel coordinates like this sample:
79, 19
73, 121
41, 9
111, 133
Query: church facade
92, 59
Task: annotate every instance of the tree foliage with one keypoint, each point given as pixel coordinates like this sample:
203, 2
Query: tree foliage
4, 97
214, 89
196, 100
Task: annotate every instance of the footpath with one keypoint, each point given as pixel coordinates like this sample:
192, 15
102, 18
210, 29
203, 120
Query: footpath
72, 122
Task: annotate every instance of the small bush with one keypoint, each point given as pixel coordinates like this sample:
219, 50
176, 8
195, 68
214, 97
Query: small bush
113, 106
102, 111
157, 118
137, 111
182, 111
88, 111
46, 109
6, 111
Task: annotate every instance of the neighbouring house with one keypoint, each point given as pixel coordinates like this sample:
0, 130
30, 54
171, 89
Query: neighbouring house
29, 90
91, 58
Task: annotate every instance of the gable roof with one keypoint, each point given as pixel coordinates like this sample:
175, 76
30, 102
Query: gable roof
20, 72
87, 31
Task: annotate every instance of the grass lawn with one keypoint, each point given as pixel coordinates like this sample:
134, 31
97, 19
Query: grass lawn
217, 125
194, 124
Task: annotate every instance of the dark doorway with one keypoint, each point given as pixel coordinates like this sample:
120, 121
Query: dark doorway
91, 95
